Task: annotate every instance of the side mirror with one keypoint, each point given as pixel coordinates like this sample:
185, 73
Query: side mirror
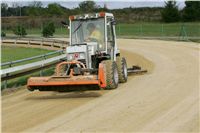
113, 22
64, 24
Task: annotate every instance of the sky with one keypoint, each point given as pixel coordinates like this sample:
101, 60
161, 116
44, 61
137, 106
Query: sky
111, 4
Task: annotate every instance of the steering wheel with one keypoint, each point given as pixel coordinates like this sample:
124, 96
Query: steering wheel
91, 40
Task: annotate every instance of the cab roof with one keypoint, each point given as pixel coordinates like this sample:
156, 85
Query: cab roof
90, 16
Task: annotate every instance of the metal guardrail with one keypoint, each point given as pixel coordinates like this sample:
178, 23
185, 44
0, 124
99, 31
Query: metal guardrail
44, 56
29, 66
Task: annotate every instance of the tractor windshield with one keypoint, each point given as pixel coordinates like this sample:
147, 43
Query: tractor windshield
89, 30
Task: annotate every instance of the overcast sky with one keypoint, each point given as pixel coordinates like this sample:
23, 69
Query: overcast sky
111, 4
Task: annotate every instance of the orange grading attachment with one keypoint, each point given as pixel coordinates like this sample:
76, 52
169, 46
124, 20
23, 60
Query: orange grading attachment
71, 82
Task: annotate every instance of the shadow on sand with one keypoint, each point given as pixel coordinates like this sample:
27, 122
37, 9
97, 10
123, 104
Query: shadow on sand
68, 95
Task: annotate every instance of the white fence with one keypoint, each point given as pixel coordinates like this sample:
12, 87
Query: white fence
41, 42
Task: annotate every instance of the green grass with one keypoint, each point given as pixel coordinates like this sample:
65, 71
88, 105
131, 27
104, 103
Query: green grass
192, 29
158, 29
12, 53
176, 31
38, 31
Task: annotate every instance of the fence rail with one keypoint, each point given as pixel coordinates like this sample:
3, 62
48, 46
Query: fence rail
44, 56
41, 42
29, 66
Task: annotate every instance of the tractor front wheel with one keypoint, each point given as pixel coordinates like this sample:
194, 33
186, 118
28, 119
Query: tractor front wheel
112, 78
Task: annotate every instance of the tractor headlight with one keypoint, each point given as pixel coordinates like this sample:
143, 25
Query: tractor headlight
82, 56
70, 57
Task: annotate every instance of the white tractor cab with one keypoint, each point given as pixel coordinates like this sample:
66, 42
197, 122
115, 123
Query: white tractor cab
92, 35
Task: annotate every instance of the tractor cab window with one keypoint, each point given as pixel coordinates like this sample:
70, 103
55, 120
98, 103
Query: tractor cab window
89, 30
110, 39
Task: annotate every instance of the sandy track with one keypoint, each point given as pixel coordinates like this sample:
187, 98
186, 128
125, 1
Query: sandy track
165, 99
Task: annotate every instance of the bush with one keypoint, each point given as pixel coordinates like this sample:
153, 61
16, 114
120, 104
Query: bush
3, 34
48, 29
20, 30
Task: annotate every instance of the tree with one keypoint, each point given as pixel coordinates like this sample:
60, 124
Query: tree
87, 6
20, 30
35, 8
3, 34
191, 11
4, 8
170, 13
55, 9
48, 29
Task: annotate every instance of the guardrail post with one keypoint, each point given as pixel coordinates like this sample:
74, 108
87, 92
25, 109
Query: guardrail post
6, 82
52, 44
41, 42
44, 56
41, 73
29, 42
61, 46
10, 65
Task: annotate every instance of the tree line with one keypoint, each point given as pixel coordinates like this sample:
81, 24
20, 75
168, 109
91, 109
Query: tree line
169, 13
49, 17
190, 13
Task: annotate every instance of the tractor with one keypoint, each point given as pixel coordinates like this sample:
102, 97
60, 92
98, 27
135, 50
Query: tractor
93, 60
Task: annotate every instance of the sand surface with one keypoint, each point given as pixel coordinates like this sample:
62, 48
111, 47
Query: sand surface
166, 99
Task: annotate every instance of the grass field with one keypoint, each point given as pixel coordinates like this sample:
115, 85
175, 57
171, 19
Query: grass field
141, 30
12, 53
38, 31
158, 29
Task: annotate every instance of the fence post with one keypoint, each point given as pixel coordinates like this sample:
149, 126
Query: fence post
141, 30
119, 30
5, 84
183, 33
162, 30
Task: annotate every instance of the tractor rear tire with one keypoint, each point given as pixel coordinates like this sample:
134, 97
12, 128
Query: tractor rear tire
122, 69
111, 72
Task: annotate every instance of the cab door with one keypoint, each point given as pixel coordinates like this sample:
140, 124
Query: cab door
111, 40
